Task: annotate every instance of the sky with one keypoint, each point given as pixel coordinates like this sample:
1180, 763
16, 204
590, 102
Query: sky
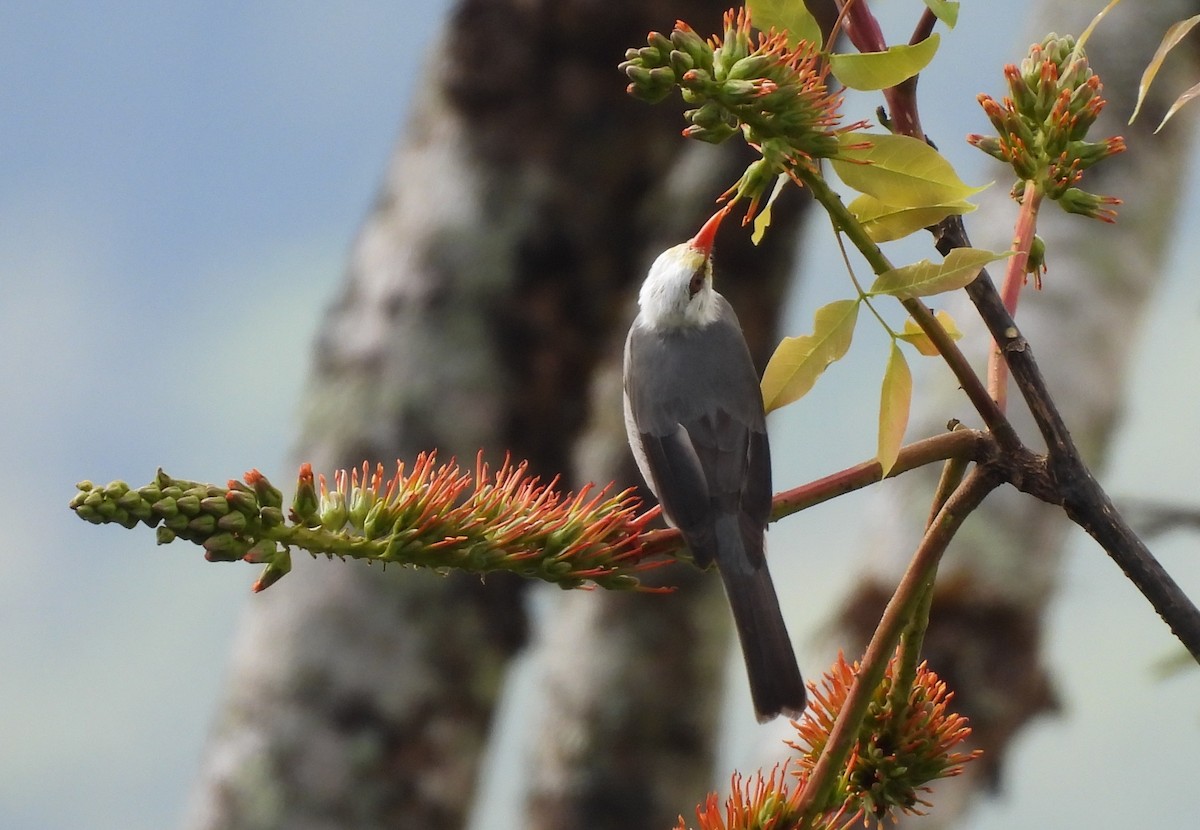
179, 186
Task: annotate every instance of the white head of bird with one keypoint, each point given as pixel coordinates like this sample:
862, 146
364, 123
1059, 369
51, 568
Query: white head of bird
678, 291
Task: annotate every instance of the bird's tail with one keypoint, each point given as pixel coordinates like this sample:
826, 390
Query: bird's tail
775, 683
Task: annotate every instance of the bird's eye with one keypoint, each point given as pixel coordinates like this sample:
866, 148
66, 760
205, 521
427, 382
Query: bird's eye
696, 282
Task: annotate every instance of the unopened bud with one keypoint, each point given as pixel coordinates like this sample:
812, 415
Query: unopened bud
233, 522
214, 505
223, 547
1074, 200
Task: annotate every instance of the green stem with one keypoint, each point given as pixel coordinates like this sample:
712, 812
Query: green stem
974, 388
914, 633
900, 609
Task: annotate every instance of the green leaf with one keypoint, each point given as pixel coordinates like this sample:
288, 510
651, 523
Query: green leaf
790, 15
1175, 33
880, 70
898, 170
884, 223
916, 337
763, 220
894, 401
945, 10
924, 278
799, 361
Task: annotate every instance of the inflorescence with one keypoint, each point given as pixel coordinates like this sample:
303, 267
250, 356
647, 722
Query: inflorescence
433, 516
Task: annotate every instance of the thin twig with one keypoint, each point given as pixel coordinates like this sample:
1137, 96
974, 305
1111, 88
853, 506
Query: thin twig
967, 444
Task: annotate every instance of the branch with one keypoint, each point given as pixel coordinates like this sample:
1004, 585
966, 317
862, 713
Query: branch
1080, 495
974, 488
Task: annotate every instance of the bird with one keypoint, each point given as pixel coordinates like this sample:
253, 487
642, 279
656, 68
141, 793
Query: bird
696, 425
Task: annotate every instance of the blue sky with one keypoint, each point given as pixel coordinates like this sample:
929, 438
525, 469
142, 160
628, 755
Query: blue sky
179, 184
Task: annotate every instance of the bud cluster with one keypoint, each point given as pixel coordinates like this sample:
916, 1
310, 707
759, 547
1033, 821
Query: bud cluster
230, 523
434, 516
1054, 98
775, 95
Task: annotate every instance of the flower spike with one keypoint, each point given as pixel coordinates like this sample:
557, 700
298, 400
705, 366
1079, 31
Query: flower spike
433, 516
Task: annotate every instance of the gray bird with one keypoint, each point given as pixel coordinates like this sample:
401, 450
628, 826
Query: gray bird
694, 416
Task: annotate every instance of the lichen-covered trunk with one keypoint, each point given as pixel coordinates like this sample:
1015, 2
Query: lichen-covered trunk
1003, 568
481, 310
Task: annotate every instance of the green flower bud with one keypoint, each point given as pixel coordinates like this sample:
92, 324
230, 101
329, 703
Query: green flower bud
130, 499
751, 66
1036, 262
686, 40
164, 535
660, 42
734, 93
1074, 200
681, 62
165, 507
650, 57
242, 501
214, 505
709, 115
276, 570
712, 135
150, 493
233, 522
203, 525
268, 495
271, 517
223, 547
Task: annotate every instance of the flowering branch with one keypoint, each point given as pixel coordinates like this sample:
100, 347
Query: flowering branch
897, 751
433, 516
900, 609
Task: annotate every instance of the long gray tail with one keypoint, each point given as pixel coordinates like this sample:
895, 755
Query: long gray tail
775, 683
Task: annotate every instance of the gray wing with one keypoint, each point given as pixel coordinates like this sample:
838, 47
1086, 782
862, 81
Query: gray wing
696, 413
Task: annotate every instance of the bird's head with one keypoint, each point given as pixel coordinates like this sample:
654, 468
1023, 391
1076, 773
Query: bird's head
678, 291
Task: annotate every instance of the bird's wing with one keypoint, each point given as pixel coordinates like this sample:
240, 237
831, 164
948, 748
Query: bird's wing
695, 413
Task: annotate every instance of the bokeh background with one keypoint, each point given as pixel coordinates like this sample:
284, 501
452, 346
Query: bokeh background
179, 184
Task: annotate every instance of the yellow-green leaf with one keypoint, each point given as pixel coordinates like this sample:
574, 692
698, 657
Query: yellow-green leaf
790, 15
898, 170
763, 220
799, 361
1175, 33
914, 336
1179, 102
1091, 27
884, 222
894, 401
945, 10
880, 70
924, 278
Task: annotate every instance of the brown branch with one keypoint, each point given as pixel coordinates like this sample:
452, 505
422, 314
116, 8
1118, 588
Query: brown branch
1080, 495
1075, 488
968, 496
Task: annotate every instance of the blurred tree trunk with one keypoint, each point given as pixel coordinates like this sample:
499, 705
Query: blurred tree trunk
487, 289
1002, 570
